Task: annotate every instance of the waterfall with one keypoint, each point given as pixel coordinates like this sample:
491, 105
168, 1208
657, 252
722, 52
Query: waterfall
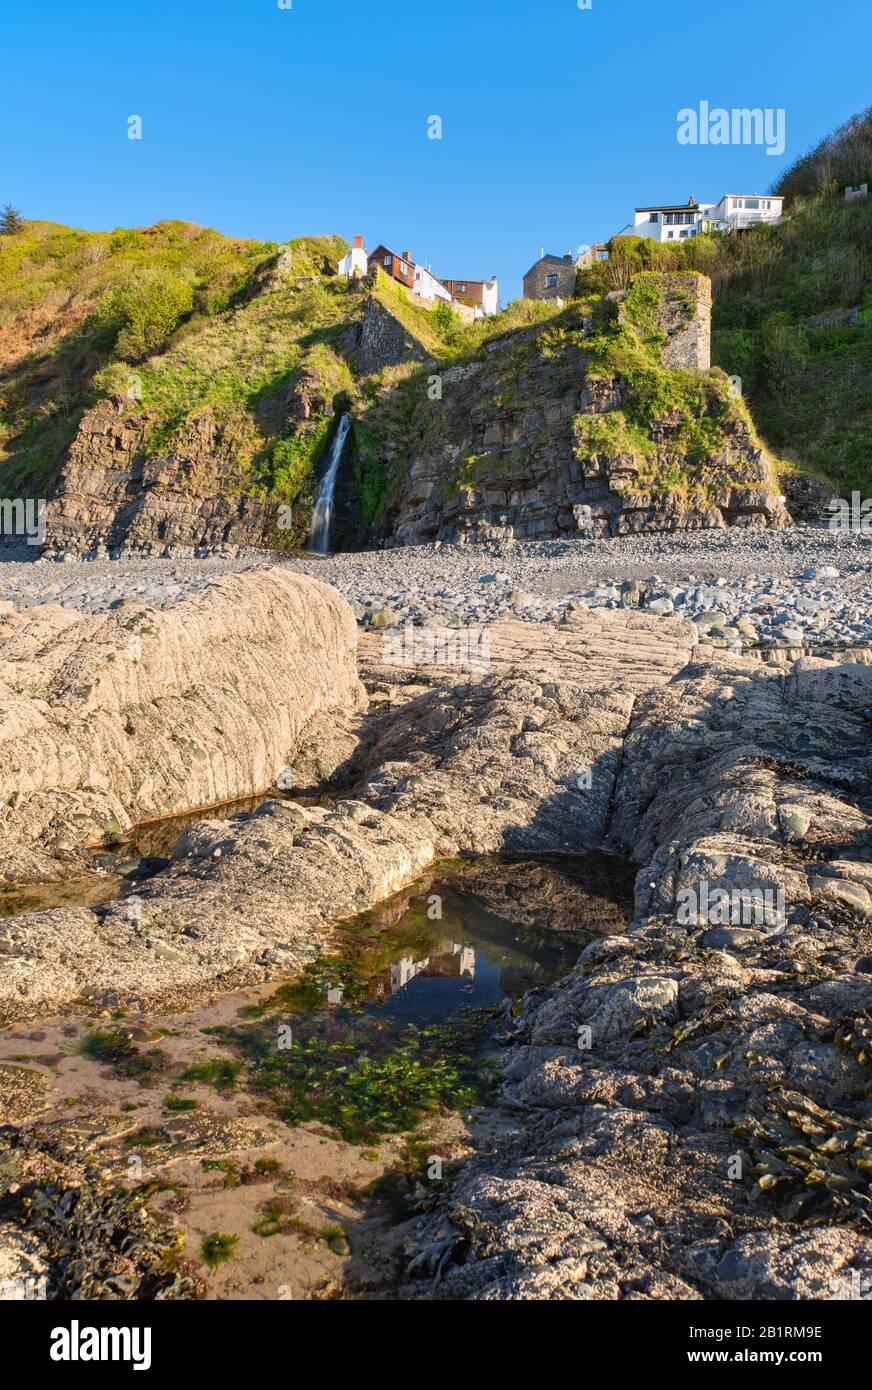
323, 513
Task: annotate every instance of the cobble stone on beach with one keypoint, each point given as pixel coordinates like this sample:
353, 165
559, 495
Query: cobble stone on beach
806, 586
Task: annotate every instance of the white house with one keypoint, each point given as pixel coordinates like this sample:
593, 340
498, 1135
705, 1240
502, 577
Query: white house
677, 221
738, 211
669, 221
428, 287
356, 263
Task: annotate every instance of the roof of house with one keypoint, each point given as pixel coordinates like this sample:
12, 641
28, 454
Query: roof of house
774, 197
677, 207
381, 247
459, 280
559, 260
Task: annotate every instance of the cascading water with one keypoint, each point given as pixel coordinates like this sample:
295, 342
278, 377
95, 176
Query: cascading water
323, 513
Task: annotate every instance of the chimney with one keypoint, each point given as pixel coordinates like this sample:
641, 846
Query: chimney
691, 202
358, 243
407, 256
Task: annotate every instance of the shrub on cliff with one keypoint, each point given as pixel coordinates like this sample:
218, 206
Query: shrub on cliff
145, 308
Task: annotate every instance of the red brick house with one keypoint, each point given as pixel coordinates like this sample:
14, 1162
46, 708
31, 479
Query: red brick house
483, 295
399, 268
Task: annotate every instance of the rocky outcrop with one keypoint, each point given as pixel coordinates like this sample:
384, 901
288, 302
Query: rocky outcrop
114, 718
697, 1116
522, 759
113, 493
694, 1099
534, 438
383, 341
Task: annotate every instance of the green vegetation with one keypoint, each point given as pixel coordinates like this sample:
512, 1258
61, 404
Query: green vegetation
845, 157
360, 1079
144, 309
221, 1073
180, 1103
794, 322
108, 1045
360, 1086
200, 336
11, 221
218, 1248
792, 309
116, 1048
175, 320
267, 1165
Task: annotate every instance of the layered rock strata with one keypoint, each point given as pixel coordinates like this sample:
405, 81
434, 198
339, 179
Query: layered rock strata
521, 759
114, 718
695, 1095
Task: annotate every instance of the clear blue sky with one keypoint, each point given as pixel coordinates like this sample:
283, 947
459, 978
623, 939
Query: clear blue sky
271, 123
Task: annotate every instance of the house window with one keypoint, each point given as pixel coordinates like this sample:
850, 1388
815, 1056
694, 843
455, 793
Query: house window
752, 203
461, 289
550, 282
602, 255
669, 218
670, 235
655, 217
684, 233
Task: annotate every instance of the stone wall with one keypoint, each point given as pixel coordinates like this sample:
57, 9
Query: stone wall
384, 341
536, 280
685, 317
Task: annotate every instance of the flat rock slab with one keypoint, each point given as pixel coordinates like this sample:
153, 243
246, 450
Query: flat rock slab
595, 650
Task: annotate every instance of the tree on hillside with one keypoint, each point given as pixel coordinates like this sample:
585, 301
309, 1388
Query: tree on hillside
841, 158
11, 221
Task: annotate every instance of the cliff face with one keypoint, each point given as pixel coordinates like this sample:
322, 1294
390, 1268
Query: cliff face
599, 420
112, 493
602, 422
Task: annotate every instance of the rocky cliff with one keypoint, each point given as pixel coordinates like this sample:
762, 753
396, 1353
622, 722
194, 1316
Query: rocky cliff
605, 420
210, 431
113, 494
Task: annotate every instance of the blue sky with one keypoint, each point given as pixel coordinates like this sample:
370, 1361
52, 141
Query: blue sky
271, 123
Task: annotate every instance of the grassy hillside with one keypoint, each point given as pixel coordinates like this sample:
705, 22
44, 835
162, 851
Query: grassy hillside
794, 321
171, 315
841, 158
792, 309
179, 320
